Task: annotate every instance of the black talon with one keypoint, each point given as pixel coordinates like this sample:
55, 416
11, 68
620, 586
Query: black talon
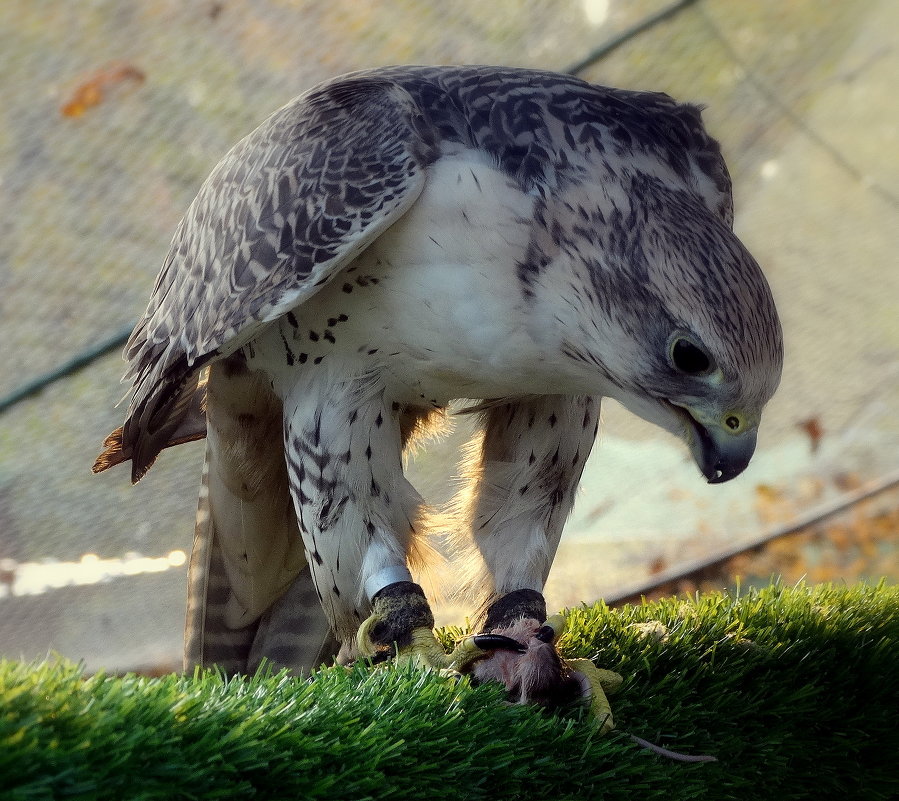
545, 634
498, 642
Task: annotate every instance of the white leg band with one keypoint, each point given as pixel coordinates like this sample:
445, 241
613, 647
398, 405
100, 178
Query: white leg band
384, 578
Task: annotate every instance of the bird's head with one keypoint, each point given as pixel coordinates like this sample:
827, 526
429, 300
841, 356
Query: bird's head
684, 327
691, 384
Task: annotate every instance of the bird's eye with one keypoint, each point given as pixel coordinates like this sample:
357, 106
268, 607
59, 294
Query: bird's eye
688, 358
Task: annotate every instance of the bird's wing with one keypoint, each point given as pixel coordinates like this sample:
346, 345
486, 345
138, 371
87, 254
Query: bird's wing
281, 214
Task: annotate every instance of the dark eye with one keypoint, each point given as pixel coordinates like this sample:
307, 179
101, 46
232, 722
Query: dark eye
688, 358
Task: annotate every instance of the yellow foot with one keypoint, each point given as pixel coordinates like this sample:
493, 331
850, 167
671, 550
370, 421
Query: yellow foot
597, 685
425, 650
519, 650
421, 647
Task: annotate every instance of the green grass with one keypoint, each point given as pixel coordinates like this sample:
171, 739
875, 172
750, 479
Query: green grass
793, 689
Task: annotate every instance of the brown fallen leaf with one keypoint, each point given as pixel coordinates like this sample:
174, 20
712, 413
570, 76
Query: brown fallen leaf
657, 565
813, 429
92, 91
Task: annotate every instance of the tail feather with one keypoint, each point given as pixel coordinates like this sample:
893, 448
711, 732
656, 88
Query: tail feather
192, 426
250, 593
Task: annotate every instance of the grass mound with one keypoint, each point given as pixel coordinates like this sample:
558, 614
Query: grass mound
794, 690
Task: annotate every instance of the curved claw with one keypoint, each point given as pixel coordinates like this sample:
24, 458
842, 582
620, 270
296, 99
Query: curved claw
545, 634
364, 644
498, 642
557, 626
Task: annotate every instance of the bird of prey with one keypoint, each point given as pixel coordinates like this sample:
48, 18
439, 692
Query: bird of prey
400, 238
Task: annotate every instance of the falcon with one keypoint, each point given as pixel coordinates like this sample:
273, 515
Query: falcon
398, 239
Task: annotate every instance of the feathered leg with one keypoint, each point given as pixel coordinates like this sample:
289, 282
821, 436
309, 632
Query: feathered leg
357, 513
527, 472
524, 482
359, 518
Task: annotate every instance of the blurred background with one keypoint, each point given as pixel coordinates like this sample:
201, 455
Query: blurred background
113, 113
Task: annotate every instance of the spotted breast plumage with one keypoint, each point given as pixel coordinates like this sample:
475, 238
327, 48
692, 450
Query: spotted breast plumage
391, 241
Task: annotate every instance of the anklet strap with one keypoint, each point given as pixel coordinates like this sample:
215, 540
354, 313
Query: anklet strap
384, 578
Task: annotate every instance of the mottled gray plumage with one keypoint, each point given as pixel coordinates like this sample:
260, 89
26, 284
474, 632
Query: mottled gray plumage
397, 238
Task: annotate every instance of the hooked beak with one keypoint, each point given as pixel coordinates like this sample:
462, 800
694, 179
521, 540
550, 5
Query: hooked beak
720, 454
721, 446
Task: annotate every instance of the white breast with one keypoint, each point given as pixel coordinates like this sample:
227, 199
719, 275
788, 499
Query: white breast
436, 297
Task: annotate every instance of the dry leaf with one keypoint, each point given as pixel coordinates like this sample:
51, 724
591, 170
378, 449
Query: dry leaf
92, 91
813, 429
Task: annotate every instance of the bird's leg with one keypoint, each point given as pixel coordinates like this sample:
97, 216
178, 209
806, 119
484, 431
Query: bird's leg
401, 619
358, 516
531, 461
357, 513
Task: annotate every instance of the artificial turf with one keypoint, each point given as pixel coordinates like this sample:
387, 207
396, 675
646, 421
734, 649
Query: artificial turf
794, 690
